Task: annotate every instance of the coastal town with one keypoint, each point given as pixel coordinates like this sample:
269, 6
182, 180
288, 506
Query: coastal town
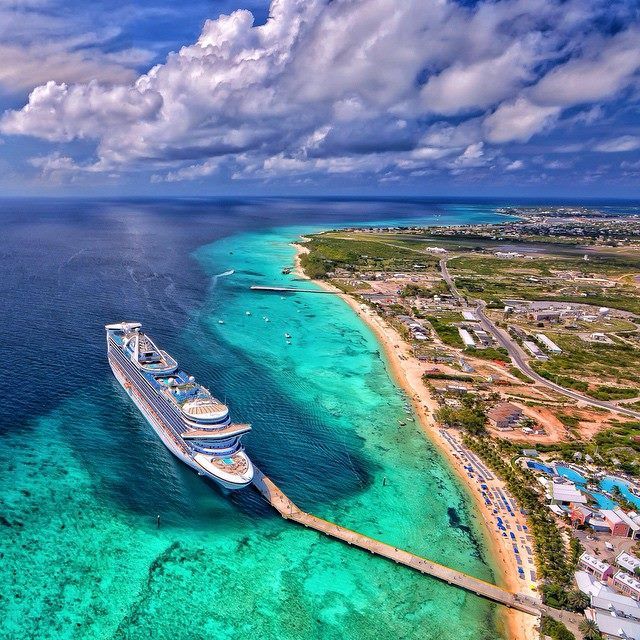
519, 351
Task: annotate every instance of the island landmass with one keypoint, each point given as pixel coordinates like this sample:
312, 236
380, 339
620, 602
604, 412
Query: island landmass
518, 344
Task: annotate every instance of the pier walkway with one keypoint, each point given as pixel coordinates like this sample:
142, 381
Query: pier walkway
290, 511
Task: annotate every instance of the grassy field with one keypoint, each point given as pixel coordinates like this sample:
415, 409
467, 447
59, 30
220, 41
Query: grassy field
443, 325
495, 280
616, 366
545, 265
328, 252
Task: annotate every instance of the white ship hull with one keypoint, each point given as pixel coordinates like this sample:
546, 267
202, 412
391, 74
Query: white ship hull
230, 482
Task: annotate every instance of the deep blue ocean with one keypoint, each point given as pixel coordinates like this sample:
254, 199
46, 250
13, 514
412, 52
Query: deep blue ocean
83, 476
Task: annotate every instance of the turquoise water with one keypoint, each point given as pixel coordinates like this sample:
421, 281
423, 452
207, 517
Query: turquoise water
607, 483
84, 477
610, 482
603, 501
571, 474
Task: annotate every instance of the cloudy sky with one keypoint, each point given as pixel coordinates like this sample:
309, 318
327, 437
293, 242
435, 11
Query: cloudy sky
504, 97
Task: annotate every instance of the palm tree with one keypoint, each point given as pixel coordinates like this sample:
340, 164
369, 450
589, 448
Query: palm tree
577, 600
589, 629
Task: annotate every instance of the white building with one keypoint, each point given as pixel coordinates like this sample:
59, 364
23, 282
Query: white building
508, 254
466, 338
600, 570
591, 586
613, 627
549, 344
626, 583
469, 316
534, 350
565, 493
628, 562
616, 604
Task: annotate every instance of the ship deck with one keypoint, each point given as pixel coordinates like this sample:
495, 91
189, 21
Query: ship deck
228, 431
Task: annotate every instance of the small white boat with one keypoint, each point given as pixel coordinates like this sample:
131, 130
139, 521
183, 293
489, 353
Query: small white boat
247, 313
220, 321
287, 336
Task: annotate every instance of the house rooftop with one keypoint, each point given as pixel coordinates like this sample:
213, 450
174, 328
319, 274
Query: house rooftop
567, 492
504, 410
627, 561
616, 627
592, 587
621, 605
593, 562
628, 580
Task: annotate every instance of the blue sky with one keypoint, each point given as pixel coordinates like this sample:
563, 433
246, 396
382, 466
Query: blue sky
429, 97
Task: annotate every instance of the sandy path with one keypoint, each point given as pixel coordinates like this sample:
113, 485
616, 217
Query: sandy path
407, 371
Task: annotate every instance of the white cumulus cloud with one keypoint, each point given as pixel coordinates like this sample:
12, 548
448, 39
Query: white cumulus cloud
349, 85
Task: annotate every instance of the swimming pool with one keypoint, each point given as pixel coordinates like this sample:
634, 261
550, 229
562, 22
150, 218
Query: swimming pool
571, 474
538, 466
603, 501
610, 482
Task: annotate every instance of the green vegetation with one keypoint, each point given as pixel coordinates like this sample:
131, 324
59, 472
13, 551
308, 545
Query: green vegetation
447, 332
555, 565
412, 290
313, 265
349, 288
415, 290
605, 392
589, 630
567, 420
545, 266
514, 371
490, 353
555, 629
447, 376
627, 505
611, 363
556, 595
328, 252
471, 416
563, 381
620, 444
494, 279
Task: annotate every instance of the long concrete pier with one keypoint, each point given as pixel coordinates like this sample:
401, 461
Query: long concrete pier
288, 510
257, 287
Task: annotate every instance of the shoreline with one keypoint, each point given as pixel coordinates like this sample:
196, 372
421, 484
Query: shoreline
407, 372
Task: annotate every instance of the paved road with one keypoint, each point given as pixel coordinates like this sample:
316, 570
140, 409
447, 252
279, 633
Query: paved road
519, 357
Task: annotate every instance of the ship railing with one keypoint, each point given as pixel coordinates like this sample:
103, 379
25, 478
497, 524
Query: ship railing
171, 432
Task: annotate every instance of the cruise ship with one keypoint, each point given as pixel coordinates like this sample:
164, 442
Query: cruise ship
193, 424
